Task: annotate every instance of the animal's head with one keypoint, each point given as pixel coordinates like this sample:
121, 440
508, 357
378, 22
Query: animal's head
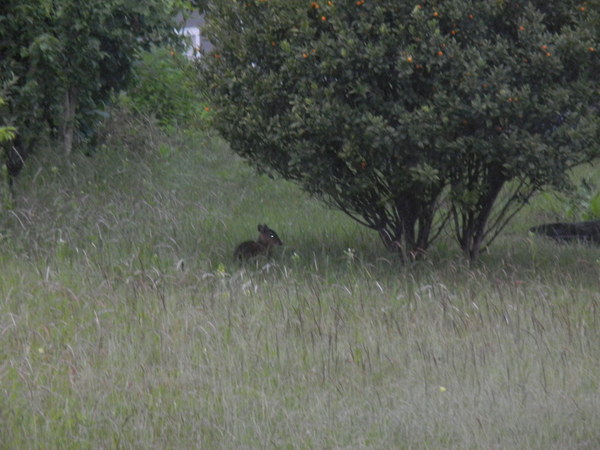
268, 237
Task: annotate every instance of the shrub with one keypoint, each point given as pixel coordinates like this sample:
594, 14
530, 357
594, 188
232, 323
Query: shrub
405, 116
66, 59
164, 86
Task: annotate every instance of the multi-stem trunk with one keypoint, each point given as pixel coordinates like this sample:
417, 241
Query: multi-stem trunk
70, 104
471, 221
409, 229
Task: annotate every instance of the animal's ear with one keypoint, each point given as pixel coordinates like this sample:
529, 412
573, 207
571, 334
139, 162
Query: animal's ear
262, 228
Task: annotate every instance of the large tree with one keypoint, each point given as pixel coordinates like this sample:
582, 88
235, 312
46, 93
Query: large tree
406, 115
61, 59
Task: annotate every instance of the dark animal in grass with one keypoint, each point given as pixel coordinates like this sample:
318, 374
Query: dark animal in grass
567, 232
15, 154
267, 239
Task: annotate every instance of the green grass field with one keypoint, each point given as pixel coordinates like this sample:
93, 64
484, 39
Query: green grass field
124, 322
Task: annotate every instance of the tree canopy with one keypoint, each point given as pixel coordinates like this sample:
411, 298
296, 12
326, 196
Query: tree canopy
60, 60
407, 116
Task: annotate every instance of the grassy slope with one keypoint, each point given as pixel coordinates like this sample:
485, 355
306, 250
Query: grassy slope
124, 322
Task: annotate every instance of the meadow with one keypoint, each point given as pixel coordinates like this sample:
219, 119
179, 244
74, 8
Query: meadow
125, 323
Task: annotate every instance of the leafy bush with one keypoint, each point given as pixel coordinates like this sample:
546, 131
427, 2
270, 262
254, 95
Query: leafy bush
66, 58
164, 86
407, 117
580, 203
7, 134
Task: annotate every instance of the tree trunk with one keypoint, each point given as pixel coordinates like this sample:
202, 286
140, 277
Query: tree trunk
68, 126
400, 239
474, 222
6, 189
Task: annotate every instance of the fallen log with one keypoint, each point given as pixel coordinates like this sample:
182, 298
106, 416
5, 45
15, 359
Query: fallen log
588, 231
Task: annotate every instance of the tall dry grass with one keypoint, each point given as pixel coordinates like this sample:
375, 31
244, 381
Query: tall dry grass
125, 323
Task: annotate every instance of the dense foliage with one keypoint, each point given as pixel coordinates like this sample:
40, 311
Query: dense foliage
410, 116
164, 86
60, 60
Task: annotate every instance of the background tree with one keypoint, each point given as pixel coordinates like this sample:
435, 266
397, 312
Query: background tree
7, 134
164, 86
200, 5
405, 115
522, 113
61, 59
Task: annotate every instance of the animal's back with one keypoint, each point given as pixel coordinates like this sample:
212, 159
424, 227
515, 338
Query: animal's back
249, 249
267, 238
565, 231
